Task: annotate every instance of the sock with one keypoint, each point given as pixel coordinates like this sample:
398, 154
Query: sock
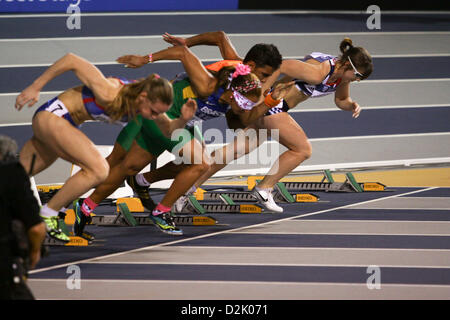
48, 212
88, 206
191, 190
160, 209
140, 179
263, 189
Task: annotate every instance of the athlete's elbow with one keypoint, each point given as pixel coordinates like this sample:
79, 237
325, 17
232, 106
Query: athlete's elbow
221, 36
70, 57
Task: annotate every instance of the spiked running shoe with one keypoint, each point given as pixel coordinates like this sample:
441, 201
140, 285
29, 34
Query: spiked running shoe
80, 219
53, 230
142, 193
265, 198
165, 223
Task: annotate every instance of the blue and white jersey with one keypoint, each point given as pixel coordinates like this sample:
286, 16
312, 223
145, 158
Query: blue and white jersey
209, 108
97, 111
323, 88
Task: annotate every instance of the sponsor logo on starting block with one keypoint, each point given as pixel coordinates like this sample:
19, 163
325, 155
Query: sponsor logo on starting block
249, 208
77, 241
74, 242
373, 186
306, 197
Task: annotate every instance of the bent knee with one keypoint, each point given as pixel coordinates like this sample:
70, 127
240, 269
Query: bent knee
99, 171
304, 152
307, 152
130, 168
201, 168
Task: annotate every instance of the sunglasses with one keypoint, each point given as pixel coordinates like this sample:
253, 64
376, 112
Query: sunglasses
356, 72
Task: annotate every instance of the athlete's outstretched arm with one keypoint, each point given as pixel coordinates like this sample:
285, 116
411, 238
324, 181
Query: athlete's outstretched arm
89, 74
203, 81
215, 38
343, 100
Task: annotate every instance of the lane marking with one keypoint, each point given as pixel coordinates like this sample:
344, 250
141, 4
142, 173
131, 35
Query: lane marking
273, 34
104, 63
223, 232
236, 12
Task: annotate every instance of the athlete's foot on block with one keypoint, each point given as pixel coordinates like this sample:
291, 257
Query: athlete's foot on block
180, 204
142, 193
53, 231
81, 220
265, 198
165, 223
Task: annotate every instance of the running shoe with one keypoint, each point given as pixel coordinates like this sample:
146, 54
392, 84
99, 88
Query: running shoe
142, 193
265, 198
81, 220
166, 224
53, 230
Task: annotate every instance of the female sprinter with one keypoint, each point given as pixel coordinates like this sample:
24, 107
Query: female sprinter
55, 125
316, 75
230, 88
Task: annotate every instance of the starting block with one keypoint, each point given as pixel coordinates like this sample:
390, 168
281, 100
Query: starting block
194, 207
281, 194
328, 184
125, 218
74, 241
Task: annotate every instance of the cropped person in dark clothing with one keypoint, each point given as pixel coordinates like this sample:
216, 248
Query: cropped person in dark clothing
19, 211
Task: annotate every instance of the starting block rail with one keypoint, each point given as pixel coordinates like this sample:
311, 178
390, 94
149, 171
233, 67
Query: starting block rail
328, 184
193, 207
281, 194
125, 218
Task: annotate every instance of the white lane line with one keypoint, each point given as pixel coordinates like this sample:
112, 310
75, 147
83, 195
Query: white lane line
267, 264
243, 283
104, 63
236, 12
444, 105
279, 34
6, 94
224, 232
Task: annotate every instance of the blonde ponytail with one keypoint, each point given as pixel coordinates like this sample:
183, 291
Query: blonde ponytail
157, 88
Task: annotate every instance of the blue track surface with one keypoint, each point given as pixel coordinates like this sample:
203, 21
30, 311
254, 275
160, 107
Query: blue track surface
193, 24
111, 240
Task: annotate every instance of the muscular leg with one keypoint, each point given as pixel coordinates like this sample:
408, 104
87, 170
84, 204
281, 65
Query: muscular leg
128, 164
44, 156
169, 171
55, 137
228, 153
192, 153
293, 137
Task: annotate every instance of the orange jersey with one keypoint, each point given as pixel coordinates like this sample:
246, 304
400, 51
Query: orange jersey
220, 64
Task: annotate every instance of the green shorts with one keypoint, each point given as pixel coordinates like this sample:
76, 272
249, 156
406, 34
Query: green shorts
147, 133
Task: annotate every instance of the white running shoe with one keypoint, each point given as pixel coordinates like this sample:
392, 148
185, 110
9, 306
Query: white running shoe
179, 205
265, 198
